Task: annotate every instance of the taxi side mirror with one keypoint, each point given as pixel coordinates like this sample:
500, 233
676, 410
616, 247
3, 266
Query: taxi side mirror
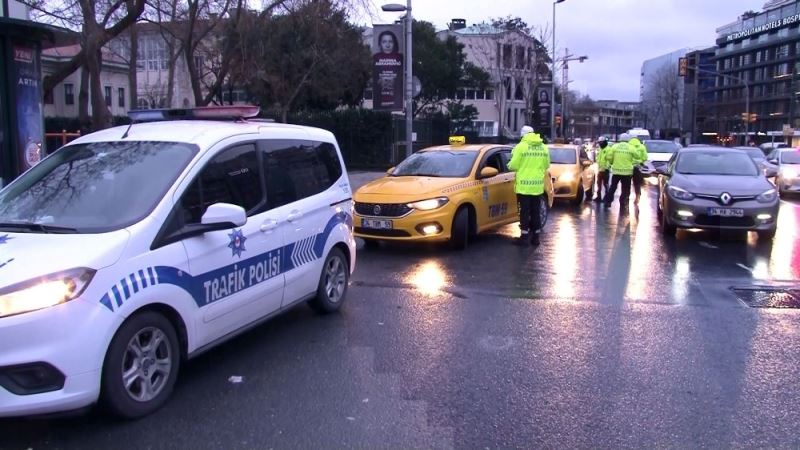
390, 171
488, 172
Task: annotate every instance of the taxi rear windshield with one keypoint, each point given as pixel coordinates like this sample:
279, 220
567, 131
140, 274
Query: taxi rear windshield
443, 163
563, 156
96, 187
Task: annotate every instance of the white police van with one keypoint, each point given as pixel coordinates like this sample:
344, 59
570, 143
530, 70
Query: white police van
131, 249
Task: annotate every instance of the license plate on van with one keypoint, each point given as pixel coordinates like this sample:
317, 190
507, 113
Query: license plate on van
377, 224
726, 212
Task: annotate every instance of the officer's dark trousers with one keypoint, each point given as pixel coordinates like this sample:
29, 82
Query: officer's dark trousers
529, 211
626, 189
637, 181
602, 183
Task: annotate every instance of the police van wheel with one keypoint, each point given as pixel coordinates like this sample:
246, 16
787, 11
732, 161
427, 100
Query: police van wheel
333, 281
141, 366
459, 238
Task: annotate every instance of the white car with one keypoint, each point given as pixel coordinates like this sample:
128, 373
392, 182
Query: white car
132, 249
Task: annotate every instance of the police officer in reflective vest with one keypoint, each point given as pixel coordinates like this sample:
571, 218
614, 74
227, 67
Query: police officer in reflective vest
530, 159
602, 168
621, 158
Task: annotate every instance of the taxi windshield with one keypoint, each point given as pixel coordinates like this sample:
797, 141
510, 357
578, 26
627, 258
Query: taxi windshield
96, 187
563, 156
439, 163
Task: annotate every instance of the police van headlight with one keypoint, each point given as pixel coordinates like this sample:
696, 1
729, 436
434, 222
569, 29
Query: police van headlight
44, 292
427, 205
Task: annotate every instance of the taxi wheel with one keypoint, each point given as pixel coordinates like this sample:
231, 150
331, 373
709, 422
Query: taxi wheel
459, 238
579, 195
333, 282
141, 366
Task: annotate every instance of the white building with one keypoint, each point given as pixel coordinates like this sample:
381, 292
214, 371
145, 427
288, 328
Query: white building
510, 59
62, 101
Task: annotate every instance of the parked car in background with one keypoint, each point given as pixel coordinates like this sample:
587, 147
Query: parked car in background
658, 154
768, 147
716, 188
787, 162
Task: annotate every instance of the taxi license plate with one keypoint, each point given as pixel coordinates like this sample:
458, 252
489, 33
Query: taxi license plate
377, 224
726, 212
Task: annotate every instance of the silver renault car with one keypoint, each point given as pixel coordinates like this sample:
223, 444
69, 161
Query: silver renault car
716, 188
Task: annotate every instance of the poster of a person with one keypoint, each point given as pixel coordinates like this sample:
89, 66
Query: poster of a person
387, 76
544, 96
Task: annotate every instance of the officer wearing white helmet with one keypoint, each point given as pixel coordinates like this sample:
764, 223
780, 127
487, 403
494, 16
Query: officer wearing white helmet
622, 157
530, 159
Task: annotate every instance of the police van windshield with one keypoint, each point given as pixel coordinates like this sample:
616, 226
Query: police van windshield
92, 188
661, 147
563, 156
440, 163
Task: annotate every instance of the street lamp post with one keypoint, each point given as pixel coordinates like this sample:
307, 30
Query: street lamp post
565, 85
553, 77
409, 83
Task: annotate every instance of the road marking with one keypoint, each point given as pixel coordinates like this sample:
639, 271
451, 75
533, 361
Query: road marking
745, 267
707, 245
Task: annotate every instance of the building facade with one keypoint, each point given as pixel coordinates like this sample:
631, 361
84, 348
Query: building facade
62, 100
662, 94
608, 118
510, 59
757, 60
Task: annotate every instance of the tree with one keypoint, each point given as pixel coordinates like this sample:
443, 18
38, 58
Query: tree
99, 22
442, 68
663, 98
461, 116
308, 55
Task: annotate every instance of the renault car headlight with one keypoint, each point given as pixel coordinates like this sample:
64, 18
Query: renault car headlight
44, 292
680, 194
427, 205
767, 196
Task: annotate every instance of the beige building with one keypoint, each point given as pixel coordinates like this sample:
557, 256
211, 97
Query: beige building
62, 101
510, 59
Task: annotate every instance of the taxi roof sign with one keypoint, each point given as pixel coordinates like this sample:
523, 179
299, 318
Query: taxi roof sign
457, 140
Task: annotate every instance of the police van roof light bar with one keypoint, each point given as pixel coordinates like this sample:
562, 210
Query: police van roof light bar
202, 113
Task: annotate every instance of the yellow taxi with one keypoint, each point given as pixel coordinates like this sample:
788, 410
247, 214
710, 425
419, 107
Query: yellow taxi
444, 193
572, 172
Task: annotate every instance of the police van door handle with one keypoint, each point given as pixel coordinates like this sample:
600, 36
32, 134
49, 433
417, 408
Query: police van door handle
294, 216
269, 225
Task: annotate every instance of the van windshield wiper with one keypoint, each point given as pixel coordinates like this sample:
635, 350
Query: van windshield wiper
35, 227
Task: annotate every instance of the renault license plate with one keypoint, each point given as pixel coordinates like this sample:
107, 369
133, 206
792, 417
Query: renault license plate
726, 212
377, 224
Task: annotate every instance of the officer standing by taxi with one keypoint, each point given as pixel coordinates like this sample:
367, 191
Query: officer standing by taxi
530, 159
638, 178
622, 157
602, 168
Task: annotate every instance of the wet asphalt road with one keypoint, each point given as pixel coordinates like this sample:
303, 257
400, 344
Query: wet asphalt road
608, 335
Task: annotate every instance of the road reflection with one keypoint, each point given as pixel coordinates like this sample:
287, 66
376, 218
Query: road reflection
565, 259
429, 278
784, 261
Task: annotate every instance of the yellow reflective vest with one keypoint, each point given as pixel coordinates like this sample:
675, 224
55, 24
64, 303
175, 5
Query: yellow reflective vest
530, 159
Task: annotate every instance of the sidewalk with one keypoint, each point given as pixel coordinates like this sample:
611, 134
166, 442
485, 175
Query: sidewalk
360, 178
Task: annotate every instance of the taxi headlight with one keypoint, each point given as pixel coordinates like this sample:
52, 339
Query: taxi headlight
767, 196
427, 205
679, 193
567, 177
44, 292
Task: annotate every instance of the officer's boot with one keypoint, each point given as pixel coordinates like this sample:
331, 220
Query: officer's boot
524, 239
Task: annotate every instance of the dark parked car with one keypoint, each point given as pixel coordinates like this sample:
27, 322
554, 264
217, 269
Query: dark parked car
716, 188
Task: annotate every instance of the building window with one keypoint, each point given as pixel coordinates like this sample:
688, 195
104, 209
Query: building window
69, 94
518, 94
782, 33
746, 43
507, 57
763, 38
508, 88
520, 57
727, 64
48, 97
460, 94
121, 97
748, 59
489, 94
758, 56
783, 51
142, 103
485, 128
470, 94
107, 92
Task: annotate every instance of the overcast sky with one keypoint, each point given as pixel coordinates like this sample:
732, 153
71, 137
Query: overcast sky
617, 35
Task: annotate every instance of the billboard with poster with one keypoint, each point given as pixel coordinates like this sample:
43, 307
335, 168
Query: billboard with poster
28, 92
387, 67
543, 106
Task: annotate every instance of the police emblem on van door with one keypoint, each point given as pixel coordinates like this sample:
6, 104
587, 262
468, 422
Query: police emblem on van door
237, 243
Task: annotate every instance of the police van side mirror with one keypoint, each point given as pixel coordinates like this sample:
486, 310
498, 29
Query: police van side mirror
224, 213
